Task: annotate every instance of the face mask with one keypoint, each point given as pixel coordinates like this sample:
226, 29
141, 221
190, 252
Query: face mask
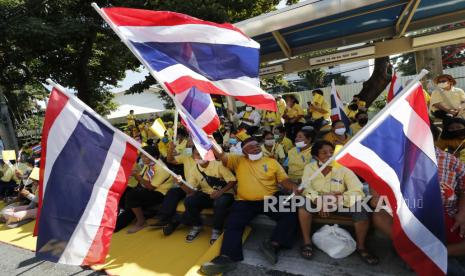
164, 140
188, 151
248, 108
200, 161
255, 157
443, 85
300, 144
363, 121
276, 137
232, 141
340, 131
269, 142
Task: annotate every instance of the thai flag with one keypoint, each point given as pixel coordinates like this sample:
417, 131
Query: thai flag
36, 149
200, 106
187, 52
85, 166
199, 138
394, 88
396, 156
337, 108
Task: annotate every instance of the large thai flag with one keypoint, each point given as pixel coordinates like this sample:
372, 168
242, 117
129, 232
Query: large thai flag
394, 88
396, 156
84, 169
187, 52
201, 108
337, 108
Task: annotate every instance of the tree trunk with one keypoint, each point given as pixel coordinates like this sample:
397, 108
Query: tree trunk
7, 132
378, 81
82, 70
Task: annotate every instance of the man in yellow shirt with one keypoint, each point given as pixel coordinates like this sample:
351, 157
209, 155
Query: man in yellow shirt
293, 116
281, 104
213, 183
153, 183
281, 139
270, 119
319, 108
9, 180
131, 118
257, 177
447, 101
361, 120
354, 107
338, 134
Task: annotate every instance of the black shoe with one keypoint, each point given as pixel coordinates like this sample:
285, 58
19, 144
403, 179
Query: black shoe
220, 264
269, 251
159, 224
169, 229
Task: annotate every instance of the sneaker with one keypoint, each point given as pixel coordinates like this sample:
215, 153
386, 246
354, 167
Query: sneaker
215, 235
269, 251
169, 229
220, 264
193, 233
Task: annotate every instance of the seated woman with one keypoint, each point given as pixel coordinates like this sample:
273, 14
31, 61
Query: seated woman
300, 155
213, 183
15, 215
341, 185
271, 149
338, 134
153, 183
293, 116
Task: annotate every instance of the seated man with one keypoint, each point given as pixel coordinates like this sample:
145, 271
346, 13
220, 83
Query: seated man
213, 183
338, 135
257, 177
447, 101
344, 187
248, 119
9, 180
271, 149
154, 182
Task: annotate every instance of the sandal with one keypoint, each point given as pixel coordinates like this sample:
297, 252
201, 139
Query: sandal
306, 251
367, 257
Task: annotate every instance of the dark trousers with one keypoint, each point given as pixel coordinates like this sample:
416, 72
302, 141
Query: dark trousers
292, 129
170, 203
7, 188
140, 197
198, 201
242, 212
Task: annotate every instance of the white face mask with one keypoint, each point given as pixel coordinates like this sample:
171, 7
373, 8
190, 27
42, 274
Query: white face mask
269, 142
300, 144
340, 131
200, 161
443, 85
248, 108
255, 157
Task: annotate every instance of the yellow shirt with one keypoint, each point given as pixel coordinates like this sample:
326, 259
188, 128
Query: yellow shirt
281, 107
287, 144
350, 113
131, 120
355, 127
180, 146
451, 99
188, 162
256, 179
340, 180
214, 169
276, 152
161, 179
271, 118
462, 156
335, 140
163, 148
317, 115
9, 174
297, 160
132, 182
295, 111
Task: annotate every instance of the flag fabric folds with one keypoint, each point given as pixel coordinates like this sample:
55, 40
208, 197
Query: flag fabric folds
201, 108
187, 52
337, 108
158, 128
36, 149
394, 88
396, 156
84, 169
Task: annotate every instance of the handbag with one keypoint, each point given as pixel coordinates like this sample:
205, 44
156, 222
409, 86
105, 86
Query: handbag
214, 182
334, 241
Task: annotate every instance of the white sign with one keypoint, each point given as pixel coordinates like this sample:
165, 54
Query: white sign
356, 53
271, 70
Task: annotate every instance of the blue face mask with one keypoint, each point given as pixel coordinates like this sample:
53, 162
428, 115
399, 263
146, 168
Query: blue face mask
164, 140
232, 141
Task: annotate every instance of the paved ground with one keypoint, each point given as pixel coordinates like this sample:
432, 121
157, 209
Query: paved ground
16, 261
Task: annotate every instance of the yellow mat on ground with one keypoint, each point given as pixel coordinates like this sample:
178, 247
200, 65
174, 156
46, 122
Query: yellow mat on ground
147, 252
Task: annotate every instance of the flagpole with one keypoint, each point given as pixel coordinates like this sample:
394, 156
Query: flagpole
142, 60
373, 123
130, 140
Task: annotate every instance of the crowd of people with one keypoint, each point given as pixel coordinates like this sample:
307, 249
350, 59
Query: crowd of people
265, 153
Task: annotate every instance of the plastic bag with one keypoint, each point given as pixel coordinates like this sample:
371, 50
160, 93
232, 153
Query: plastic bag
334, 241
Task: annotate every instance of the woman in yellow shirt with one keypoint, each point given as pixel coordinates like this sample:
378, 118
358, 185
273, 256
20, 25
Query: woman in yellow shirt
153, 184
293, 116
270, 119
271, 149
339, 185
338, 134
300, 155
